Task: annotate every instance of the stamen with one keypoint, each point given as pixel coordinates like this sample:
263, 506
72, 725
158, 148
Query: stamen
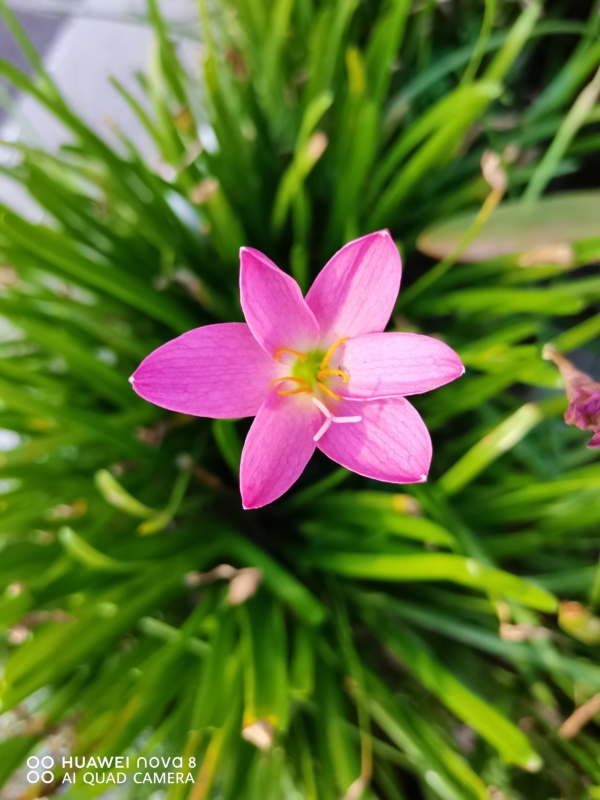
331, 351
339, 372
301, 356
328, 391
297, 391
304, 386
346, 419
290, 378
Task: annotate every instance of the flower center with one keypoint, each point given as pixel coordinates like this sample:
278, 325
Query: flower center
311, 371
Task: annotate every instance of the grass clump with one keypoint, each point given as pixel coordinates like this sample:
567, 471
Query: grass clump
351, 640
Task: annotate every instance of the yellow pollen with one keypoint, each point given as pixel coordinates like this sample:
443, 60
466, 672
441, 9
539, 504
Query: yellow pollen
328, 391
340, 372
301, 356
331, 351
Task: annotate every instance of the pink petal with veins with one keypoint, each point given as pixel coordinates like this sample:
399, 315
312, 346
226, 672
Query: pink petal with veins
278, 447
217, 371
273, 305
356, 290
395, 364
391, 443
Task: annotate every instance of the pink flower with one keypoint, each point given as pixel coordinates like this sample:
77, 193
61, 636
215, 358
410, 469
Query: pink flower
315, 372
583, 395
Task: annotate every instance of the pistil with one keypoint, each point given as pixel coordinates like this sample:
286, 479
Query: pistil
329, 418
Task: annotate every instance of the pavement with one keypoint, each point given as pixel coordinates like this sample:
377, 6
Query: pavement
84, 42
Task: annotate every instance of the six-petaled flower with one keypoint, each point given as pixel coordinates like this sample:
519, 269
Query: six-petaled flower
316, 372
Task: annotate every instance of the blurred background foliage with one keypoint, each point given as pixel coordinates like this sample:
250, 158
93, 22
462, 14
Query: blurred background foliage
354, 639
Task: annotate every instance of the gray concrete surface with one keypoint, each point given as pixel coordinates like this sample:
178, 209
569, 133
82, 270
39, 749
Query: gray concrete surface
81, 51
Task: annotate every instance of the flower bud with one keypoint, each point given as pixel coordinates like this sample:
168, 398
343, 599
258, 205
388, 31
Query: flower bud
583, 395
579, 622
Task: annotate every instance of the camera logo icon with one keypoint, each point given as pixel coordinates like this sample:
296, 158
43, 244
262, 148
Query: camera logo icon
40, 769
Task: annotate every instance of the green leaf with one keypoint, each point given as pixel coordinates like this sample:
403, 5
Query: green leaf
117, 496
391, 513
548, 166
437, 567
264, 662
384, 44
83, 552
58, 252
500, 302
515, 227
435, 152
229, 443
498, 441
516, 40
281, 582
511, 743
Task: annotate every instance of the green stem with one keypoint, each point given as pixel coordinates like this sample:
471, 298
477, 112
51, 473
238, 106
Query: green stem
566, 133
442, 268
481, 44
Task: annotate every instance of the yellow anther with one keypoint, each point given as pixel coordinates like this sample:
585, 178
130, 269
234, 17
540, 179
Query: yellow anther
298, 354
339, 372
297, 391
328, 391
331, 351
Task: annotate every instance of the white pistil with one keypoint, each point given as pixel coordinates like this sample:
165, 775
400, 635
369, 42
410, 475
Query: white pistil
329, 418
325, 427
322, 430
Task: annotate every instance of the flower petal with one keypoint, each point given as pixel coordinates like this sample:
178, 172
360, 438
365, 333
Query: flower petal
273, 305
356, 290
392, 364
595, 440
278, 447
217, 371
391, 443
